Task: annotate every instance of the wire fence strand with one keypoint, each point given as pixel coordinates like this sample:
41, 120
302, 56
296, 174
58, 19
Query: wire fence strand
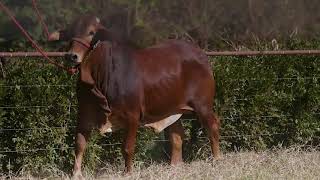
33, 85
31, 129
275, 79
33, 107
154, 140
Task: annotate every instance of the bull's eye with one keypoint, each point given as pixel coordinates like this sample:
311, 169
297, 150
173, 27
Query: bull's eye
91, 33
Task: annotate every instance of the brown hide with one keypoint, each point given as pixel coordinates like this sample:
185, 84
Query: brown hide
166, 85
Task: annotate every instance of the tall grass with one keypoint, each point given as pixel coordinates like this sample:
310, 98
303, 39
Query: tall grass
292, 163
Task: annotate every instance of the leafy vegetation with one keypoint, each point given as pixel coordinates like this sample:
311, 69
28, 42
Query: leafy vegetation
262, 101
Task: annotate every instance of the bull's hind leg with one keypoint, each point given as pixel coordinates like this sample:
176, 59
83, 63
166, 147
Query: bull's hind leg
176, 135
211, 123
82, 137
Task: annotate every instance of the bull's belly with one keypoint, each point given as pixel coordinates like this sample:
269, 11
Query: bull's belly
158, 124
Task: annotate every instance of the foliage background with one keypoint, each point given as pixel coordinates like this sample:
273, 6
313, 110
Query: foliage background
275, 100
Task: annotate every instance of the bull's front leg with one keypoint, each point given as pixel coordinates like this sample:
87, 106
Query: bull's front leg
82, 137
129, 145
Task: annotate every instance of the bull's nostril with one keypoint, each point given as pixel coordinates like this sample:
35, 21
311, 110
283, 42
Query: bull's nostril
74, 57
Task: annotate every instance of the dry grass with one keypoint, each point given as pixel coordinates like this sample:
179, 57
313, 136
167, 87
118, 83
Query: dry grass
291, 163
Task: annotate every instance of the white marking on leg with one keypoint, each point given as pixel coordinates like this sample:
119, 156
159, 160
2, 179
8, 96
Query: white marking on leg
109, 130
106, 128
98, 20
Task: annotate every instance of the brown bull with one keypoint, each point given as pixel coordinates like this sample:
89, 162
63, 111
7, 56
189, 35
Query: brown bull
123, 88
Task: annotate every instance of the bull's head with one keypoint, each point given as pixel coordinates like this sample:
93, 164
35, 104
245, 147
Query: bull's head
80, 34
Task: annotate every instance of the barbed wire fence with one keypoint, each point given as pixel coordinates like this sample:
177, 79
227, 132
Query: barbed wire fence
70, 105
64, 126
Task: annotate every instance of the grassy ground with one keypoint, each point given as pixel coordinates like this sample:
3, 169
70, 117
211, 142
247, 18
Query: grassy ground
291, 163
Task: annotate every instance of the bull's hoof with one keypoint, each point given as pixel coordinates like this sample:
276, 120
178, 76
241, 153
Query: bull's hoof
218, 157
176, 163
77, 176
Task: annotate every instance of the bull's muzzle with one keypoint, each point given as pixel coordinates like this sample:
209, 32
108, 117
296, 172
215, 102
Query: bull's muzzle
72, 57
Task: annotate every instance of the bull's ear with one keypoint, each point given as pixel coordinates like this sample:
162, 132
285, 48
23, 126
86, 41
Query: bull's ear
60, 35
100, 26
